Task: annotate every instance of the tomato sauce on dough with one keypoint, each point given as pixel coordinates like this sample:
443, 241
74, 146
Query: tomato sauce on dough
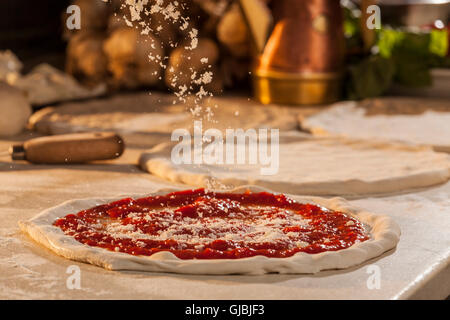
199, 224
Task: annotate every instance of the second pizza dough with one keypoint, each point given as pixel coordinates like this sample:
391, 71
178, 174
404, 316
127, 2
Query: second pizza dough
400, 119
145, 120
322, 166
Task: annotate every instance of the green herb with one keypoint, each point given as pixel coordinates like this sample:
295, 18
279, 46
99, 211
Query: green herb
403, 57
370, 77
414, 54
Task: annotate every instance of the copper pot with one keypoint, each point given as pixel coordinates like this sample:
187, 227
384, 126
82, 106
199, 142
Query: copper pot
302, 60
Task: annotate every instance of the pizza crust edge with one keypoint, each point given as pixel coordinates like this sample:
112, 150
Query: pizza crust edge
384, 232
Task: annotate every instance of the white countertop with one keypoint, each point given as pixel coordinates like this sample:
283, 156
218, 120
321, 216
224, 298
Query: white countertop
418, 268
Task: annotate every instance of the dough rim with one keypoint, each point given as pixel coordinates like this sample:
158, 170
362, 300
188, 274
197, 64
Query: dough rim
155, 161
385, 234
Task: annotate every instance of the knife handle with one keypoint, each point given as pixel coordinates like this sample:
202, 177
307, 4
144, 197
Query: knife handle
70, 148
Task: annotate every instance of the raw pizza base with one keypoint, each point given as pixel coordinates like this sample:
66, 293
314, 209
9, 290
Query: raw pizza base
384, 232
144, 119
430, 128
316, 166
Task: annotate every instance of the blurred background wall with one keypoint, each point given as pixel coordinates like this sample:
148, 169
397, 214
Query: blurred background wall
32, 30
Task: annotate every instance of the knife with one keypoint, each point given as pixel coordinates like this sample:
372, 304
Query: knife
69, 148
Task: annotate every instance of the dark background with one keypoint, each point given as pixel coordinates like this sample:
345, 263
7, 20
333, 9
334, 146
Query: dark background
32, 29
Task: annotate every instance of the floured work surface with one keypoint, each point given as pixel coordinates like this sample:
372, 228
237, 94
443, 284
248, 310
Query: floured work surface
410, 120
46, 84
417, 268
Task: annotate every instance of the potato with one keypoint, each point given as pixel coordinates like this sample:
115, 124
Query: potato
134, 58
232, 32
185, 63
85, 56
94, 14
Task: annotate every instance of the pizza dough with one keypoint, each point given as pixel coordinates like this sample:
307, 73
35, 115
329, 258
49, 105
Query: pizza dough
428, 127
143, 117
316, 166
384, 233
14, 110
131, 112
